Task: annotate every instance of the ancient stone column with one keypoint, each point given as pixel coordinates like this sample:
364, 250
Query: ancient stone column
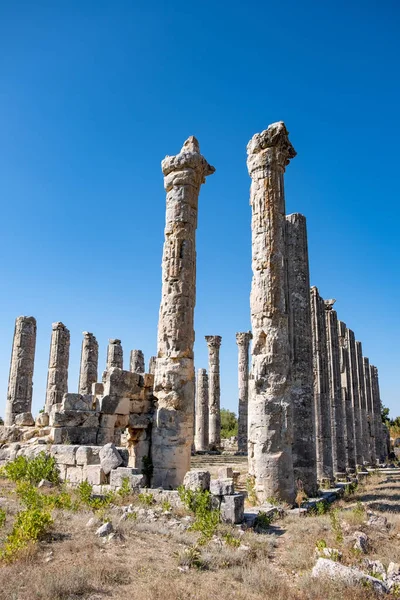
347, 396
380, 450
370, 412
303, 447
201, 422
243, 341
57, 376
270, 415
152, 364
214, 392
362, 403
19, 394
358, 446
322, 403
137, 361
115, 357
89, 363
335, 392
174, 378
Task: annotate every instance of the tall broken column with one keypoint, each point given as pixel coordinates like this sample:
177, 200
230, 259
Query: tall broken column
362, 403
322, 404
89, 363
115, 355
19, 393
351, 344
347, 396
380, 446
57, 376
214, 392
270, 415
174, 373
136, 364
201, 421
152, 364
303, 447
243, 341
335, 392
370, 412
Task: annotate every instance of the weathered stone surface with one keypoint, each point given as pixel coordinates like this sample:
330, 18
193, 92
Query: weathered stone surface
338, 425
152, 365
301, 354
214, 392
135, 479
364, 446
89, 363
201, 412
24, 419
355, 398
380, 446
57, 376
105, 530
74, 418
94, 475
361, 542
88, 455
322, 404
136, 363
119, 384
349, 575
243, 342
221, 487
270, 415
19, 393
105, 435
347, 395
110, 458
197, 479
174, 373
42, 420
114, 354
74, 435
370, 412
64, 453
226, 473
232, 508
74, 475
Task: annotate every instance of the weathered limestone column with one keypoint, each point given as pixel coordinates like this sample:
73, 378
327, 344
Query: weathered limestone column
243, 341
335, 392
270, 415
351, 342
214, 391
201, 422
362, 403
303, 447
370, 412
19, 394
376, 401
57, 376
322, 404
89, 363
137, 362
152, 364
174, 378
347, 395
115, 356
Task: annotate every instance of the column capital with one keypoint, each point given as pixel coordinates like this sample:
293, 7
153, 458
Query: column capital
269, 145
243, 338
187, 167
213, 341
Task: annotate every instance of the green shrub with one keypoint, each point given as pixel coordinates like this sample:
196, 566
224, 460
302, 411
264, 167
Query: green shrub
190, 557
166, 505
29, 526
336, 526
125, 489
2, 517
146, 498
206, 518
231, 540
33, 470
85, 495
263, 521
322, 507
251, 491
229, 423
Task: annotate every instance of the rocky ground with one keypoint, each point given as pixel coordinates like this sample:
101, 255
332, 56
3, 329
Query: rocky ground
149, 551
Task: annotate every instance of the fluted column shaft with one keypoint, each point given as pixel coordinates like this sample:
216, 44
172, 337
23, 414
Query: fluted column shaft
89, 363
57, 377
201, 412
362, 404
370, 412
347, 395
115, 355
214, 391
243, 342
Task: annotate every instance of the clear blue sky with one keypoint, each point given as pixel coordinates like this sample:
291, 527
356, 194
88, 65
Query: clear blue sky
93, 94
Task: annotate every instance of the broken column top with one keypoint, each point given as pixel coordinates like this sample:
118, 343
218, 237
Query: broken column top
329, 303
86, 334
58, 325
188, 158
213, 340
114, 341
202, 371
275, 136
243, 337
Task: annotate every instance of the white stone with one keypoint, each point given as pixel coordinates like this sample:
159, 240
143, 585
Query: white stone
110, 458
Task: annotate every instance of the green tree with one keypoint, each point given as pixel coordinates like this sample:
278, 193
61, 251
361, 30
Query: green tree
385, 415
229, 423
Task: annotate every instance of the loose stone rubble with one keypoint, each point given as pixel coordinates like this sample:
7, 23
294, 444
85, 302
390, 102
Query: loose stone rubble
309, 406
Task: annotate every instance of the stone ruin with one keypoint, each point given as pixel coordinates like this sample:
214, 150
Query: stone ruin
309, 404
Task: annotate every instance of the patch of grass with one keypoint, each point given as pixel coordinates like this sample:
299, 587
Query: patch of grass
29, 526
190, 557
336, 526
206, 518
85, 495
251, 491
3, 517
263, 521
231, 540
146, 499
125, 489
32, 470
166, 505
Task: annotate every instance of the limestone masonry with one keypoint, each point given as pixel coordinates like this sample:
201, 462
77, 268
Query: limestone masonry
309, 407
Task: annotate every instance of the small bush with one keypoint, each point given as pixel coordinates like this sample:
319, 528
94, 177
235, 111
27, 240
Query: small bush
2, 517
125, 489
166, 505
33, 470
336, 526
85, 494
206, 518
30, 526
231, 540
263, 521
146, 498
190, 557
251, 491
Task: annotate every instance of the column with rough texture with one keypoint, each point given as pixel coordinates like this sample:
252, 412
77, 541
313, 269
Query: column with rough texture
335, 391
19, 394
243, 341
214, 391
201, 422
370, 412
115, 357
57, 377
351, 342
380, 450
303, 448
89, 363
322, 404
152, 364
136, 364
347, 396
362, 402
174, 373
270, 415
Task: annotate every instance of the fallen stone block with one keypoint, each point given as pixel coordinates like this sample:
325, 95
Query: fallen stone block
64, 453
24, 420
10, 434
232, 508
42, 420
134, 478
72, 402
74, 475
361, 541
88, 455
221, 487
74, 418
349, 575
94, 475
80, 436
110, 458
197, 479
